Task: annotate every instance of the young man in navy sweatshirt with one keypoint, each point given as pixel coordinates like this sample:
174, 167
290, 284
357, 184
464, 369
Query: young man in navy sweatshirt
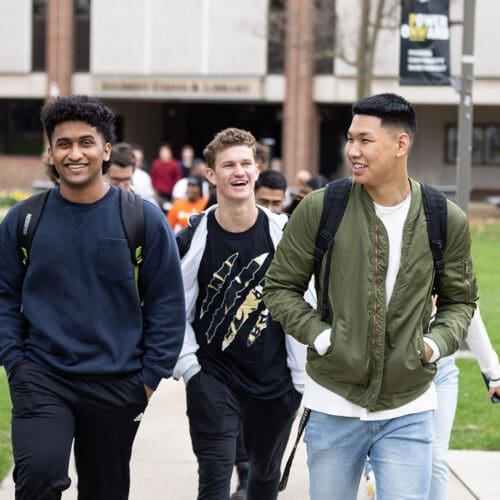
82, 350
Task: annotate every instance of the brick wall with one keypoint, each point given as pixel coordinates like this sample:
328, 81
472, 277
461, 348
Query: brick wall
19, 172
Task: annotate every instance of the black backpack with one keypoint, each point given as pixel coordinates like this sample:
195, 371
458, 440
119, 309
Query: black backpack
334, 205
131, 213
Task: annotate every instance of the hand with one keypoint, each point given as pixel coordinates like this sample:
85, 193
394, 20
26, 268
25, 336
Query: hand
149, 391
428, 352
494, 391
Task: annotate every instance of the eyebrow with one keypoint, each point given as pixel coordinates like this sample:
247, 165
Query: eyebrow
360, 134
82, 138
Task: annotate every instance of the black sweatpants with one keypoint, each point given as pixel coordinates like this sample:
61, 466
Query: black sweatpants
215, 413
50, 409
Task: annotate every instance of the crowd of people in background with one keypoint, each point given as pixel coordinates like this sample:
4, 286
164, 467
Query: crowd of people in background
179, 186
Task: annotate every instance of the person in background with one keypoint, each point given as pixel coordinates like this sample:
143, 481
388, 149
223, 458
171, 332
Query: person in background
165, 172
141, 180
270, 190
197, 170
140, 162
371, 358
187, 160
313, 183
121, 166
182, 208
446, 382
262, 157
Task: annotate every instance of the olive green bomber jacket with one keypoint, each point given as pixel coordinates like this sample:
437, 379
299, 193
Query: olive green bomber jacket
376, 358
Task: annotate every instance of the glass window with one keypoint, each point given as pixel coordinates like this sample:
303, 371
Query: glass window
276, 37
485, 144
38, 35
324, 40
82, 36
323, 30
20, 127
492, 145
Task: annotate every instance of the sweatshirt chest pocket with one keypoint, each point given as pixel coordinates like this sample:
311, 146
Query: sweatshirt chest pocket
115, 263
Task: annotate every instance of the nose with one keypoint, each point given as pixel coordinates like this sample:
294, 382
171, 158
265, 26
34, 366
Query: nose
75, 153
352, 149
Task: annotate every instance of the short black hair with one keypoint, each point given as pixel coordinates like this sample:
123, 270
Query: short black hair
271, 179
392, 109
122, 155
79, 108
317, 182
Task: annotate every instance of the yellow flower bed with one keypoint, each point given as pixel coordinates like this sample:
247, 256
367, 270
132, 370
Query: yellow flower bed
9, 198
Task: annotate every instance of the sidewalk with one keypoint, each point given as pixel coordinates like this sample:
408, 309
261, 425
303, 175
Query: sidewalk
164, 468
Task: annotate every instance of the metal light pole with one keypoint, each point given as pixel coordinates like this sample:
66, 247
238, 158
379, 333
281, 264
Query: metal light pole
464, 136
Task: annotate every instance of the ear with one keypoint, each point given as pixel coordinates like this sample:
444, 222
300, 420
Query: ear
210, 175
49, 153
403, 144
107, 151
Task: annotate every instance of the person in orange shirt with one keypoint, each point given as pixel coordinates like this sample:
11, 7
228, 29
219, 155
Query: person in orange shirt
182, 208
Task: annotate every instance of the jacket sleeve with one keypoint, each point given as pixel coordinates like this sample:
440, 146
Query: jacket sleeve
12, 323
457, 288
479, 343
163, 300
288, 277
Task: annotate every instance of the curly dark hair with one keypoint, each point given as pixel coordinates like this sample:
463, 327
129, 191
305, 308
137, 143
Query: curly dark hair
79, 108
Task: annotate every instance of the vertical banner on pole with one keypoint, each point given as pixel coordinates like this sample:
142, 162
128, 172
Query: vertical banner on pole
425, 43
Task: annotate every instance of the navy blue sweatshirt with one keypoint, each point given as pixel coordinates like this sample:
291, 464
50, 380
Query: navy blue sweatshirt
81, 313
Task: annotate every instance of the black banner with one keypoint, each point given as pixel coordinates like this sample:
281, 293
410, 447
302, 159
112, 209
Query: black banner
425, 43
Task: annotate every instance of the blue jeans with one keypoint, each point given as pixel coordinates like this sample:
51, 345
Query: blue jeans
400, 451
446, 381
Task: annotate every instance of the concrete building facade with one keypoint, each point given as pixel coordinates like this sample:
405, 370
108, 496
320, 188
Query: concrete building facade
182, 70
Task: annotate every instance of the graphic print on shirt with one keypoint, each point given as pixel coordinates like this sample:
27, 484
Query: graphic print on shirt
239, 300
217, 283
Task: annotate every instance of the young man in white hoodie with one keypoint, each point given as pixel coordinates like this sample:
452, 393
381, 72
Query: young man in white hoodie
239, 366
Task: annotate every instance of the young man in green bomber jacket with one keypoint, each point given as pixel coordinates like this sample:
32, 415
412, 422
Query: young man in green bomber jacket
370, 367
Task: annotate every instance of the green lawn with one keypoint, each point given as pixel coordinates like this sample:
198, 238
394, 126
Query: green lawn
476, 420
5, 448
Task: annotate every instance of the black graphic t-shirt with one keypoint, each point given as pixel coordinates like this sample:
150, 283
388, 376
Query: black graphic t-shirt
239, 341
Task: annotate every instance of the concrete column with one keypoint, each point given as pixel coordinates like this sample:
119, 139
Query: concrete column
59, 48
300, 141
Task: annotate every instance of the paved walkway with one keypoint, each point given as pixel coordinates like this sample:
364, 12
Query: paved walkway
163, 466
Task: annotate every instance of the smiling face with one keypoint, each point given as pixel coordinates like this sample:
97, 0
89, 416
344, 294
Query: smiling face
377, 154
77, 151
234, 173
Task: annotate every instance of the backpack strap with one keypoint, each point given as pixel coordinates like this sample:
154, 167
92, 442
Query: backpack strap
29, 216
334, 205
185, 235
436, 215
132, 216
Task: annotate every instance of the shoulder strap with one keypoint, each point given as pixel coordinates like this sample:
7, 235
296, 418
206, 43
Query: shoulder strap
132, 216
436, 215
334, 205
185, 235
27, 223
